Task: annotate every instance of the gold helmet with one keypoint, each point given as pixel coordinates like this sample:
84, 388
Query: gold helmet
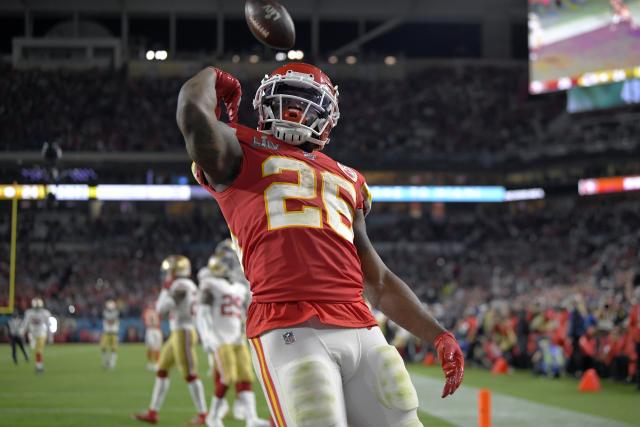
37, 302
225, 247
176, 265
219, 265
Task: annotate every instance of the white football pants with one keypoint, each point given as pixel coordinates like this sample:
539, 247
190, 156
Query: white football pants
314, 375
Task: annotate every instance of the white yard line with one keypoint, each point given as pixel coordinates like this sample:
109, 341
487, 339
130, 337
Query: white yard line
461, 409
88, 410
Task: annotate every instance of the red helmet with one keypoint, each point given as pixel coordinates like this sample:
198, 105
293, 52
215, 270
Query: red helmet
297, 103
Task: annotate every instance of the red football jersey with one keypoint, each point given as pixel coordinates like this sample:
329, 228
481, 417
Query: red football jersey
290, 214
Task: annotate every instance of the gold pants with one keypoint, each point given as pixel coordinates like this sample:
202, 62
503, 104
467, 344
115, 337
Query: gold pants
180, 349
233, 363
109, 341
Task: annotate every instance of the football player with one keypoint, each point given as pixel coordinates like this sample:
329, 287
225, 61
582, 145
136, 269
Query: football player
219, 318
109, 338
152, 336
620, 13
14, 327
37, 324
227, 249
298, 219
177, 298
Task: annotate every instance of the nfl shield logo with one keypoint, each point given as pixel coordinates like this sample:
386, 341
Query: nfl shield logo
288, 338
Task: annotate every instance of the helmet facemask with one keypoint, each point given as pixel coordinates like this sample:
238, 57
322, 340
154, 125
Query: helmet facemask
296, 109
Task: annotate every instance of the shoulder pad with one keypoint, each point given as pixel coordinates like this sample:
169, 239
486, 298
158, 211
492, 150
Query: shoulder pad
183, 284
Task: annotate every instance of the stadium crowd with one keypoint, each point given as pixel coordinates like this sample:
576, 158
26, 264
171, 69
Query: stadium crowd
547, 286
474, 111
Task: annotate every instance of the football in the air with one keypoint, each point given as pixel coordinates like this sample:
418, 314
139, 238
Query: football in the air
270, 23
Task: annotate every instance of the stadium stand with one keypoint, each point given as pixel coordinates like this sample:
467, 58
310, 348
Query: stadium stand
527, 282
474, 111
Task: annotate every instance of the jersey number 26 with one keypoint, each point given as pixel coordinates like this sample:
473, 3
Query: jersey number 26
277, 193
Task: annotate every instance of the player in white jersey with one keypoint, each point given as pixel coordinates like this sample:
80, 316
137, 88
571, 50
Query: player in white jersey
37, 324
177, 298
220, 315
227, 249
109, 338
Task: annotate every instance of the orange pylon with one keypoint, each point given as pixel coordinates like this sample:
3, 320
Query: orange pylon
484, 408
590, 381
500, 367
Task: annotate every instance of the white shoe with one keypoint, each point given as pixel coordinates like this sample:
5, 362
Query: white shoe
258, 422
239, 410
215, 419
224, 409
214, 422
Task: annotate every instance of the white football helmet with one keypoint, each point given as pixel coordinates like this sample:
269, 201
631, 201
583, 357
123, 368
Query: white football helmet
297, 103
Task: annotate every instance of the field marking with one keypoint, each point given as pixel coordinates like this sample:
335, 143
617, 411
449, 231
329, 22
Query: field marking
86, 410
461, 409
49, 394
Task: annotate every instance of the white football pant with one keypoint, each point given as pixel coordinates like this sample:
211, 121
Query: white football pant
314, 375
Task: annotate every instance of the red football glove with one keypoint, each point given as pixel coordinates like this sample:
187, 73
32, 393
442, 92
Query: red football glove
228, 91
452, 361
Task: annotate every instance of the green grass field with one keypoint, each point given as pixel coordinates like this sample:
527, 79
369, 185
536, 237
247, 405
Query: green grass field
75, 391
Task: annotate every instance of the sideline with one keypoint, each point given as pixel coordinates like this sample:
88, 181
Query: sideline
507, 411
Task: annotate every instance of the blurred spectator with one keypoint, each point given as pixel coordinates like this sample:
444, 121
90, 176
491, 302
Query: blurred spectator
476, 112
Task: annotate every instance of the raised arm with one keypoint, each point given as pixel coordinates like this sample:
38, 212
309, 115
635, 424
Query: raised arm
211, 143
388, 293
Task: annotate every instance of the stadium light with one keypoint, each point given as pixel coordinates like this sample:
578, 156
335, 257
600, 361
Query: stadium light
281, 56
390, 60
295, 54
351, 59
254, 59
333, 59
161, 55
10, 192
235, 59
150, 55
